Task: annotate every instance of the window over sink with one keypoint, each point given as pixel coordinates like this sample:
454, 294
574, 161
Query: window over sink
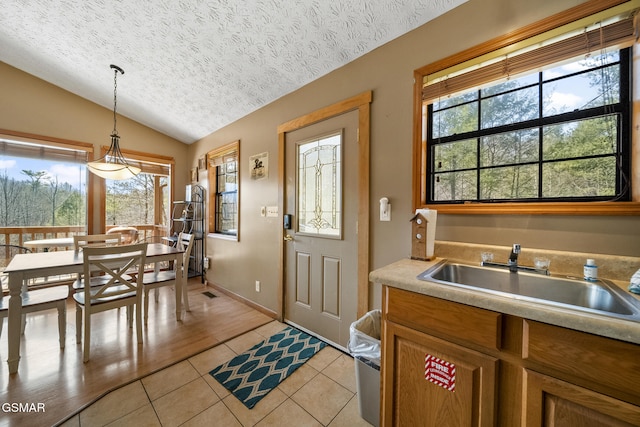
537, 121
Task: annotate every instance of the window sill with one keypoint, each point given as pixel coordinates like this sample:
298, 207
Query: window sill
223, 236
553, 208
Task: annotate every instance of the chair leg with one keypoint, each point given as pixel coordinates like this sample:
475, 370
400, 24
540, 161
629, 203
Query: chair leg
87, 335
62, 322
130, 316
185, 296
78, 324
146, 305
139, 323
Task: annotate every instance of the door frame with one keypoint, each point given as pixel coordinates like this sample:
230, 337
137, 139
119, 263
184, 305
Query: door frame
362, 103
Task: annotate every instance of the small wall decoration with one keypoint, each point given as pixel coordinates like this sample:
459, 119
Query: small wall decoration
202, 163
259, 166
194, 175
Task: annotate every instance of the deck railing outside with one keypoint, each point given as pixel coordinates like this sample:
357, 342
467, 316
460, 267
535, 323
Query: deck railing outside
20, 235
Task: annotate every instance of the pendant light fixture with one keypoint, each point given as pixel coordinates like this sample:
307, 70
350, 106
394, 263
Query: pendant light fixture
113, 165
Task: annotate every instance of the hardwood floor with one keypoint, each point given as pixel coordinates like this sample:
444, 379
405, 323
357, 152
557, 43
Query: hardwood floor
58, 378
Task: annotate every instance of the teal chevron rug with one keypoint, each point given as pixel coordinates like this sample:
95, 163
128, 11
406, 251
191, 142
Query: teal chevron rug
254, 373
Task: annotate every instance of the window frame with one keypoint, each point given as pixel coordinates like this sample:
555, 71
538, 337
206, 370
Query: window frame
140, 158
420, 150
215, 159
540, 122
55, 143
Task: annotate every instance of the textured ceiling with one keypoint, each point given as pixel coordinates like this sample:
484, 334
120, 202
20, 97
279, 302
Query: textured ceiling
194, 66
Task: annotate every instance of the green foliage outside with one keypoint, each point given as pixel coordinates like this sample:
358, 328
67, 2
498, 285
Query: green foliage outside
40, 200
131, 201
577, 157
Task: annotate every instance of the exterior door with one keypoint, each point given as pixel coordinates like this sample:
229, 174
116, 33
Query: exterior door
321, 250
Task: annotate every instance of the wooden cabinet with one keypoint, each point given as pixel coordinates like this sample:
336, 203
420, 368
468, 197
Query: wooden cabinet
509, 371
552, 402
463, 389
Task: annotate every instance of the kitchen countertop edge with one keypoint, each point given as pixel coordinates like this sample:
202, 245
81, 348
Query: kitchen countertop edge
403, 274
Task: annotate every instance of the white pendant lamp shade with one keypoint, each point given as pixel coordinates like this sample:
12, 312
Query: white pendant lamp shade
113, 165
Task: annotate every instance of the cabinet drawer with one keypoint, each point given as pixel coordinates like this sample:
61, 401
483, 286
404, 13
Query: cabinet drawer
443, 318
590, 359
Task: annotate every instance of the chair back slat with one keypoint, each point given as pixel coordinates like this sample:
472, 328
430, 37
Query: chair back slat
96, 240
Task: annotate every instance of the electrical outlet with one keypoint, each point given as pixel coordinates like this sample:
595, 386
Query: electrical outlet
206, 261
257, 285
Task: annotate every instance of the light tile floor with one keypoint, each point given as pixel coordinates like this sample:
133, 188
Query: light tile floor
322, 392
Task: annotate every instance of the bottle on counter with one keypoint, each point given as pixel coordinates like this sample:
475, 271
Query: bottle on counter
591, 270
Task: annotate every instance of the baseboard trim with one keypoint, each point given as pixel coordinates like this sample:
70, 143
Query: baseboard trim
252, 304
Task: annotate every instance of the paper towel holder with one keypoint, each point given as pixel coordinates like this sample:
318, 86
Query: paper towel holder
419, 238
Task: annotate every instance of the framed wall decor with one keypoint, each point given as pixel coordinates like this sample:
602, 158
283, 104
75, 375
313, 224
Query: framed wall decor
202, 163
194, 175
259, 166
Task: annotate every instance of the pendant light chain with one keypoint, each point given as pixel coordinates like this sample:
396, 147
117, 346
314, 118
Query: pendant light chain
116, 69
115, 99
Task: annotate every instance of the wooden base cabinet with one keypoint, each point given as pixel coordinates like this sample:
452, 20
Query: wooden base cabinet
465, 399
551, 402
450, 364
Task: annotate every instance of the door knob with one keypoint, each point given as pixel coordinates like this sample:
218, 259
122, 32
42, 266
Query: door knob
288, 238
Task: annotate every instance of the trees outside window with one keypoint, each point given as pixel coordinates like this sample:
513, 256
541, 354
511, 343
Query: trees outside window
42, 185
133, 201
558, 134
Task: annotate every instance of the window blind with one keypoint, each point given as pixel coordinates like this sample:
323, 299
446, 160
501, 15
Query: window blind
618, 34
41, 151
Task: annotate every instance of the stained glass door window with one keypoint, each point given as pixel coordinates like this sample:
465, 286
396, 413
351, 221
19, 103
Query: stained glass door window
319, 198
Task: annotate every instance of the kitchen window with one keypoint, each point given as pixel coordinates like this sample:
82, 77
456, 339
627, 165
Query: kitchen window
537, 122
558, 134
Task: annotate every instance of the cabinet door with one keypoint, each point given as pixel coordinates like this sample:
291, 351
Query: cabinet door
552, 402
411, 396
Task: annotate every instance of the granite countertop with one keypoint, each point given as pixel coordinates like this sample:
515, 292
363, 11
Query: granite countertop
403, 275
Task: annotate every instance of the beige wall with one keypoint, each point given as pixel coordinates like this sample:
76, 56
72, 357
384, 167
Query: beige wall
31, 105
388, 72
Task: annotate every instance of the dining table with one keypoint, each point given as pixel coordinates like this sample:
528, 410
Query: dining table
42, 264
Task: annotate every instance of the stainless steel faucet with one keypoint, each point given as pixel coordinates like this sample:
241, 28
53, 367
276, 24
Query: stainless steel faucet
513, 258
512, 263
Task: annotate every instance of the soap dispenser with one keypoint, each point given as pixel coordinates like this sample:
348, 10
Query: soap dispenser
591, 270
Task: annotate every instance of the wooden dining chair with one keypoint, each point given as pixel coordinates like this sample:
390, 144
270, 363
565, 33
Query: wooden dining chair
128, 234
113, 288
159, 278
83, 241
54, 297
92, 240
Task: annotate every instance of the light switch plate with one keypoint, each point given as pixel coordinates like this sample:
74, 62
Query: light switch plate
272, 211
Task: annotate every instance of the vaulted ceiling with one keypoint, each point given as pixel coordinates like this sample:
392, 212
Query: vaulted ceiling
194, 66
